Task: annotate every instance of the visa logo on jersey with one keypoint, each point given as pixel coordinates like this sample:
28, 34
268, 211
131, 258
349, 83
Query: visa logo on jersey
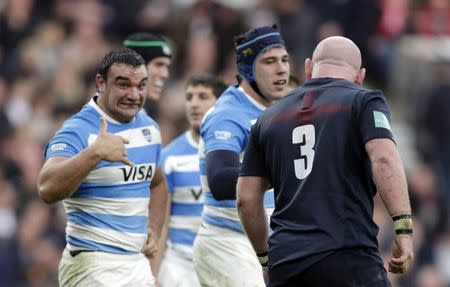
137, 173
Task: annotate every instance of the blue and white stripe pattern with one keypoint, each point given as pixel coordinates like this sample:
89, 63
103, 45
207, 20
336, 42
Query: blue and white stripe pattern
109, 210
227, 126
181, 167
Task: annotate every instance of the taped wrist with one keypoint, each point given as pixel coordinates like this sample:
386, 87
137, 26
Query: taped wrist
263, 258
403, 224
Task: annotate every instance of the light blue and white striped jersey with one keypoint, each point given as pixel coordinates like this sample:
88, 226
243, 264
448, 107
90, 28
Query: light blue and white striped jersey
226, 126
181, 167
109, 210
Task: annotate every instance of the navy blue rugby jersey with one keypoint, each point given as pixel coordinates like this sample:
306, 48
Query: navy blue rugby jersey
310, 144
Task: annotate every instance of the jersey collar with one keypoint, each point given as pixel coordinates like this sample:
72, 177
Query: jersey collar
191, 140
94, 104
252, 100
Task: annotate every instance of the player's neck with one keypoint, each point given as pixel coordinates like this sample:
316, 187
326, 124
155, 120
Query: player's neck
257, 97
195, 134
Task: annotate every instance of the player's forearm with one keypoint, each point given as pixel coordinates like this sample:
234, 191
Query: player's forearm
156, 260
250, 206
158, 208
60, 177
390, 179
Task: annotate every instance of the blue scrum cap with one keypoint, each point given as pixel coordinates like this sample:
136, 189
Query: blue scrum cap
250, 45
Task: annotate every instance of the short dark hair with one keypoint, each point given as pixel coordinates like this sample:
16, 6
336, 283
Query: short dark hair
119, 56
218, 86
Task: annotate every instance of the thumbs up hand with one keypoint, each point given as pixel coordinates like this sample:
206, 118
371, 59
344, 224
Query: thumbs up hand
111, 147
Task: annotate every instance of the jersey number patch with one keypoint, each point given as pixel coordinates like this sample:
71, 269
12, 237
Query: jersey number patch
306, 137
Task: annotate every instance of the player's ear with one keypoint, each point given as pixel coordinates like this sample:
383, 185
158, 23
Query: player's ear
308, 68
360, 76
100, 83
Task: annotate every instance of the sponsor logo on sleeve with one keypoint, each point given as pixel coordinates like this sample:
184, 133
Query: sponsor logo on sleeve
58, 146
222, 135
381, 120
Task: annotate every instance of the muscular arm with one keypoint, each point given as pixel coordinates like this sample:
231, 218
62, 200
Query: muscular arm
390, 179
161, 245
222, 169
389, 175
250, 206
158, 204
61, 176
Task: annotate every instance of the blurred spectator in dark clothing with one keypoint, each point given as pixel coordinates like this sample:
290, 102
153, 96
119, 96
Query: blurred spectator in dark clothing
211, 19
298, 23
354, 19
433, 139
16, 23
121, 17
394, 22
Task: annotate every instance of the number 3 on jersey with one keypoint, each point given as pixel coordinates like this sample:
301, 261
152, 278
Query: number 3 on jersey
306, 137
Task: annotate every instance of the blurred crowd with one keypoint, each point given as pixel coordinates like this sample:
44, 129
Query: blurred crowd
49, 52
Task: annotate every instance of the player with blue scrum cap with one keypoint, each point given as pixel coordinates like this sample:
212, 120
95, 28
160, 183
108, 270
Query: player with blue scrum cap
223, 255
103, 163
181, 167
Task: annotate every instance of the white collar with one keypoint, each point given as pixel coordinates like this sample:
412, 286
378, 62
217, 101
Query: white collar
94, 104
252, 100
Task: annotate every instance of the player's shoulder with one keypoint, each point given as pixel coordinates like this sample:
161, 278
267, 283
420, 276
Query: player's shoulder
142, 118
356, 88
284, 103
87, 118
180, 147
176, 145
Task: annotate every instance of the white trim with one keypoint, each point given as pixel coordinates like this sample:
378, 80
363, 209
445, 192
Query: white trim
93, 104
188, 223
119, 206
126, 240
252, 100
191, 139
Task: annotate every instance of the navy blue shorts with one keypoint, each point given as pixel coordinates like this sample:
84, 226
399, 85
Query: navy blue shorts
344, 268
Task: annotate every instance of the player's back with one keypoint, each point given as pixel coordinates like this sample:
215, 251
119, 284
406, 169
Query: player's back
322, 178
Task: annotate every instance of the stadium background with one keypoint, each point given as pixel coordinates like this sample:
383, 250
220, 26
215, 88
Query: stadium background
49, 50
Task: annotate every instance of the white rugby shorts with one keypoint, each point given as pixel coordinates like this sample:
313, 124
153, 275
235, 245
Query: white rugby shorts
225, 258
177, 271
102, 269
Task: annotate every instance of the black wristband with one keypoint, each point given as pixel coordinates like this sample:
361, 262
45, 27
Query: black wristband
403, 224
263, 258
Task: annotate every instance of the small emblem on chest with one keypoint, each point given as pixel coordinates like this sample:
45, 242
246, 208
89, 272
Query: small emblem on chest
147, 134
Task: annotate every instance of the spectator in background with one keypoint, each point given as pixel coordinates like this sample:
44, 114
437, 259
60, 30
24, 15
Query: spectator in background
158, 56
433, 18
433, 139
298, 22
338, 18
181, 167
105, 194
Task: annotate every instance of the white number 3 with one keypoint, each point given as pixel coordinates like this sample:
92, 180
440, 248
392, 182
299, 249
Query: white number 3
306, 137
